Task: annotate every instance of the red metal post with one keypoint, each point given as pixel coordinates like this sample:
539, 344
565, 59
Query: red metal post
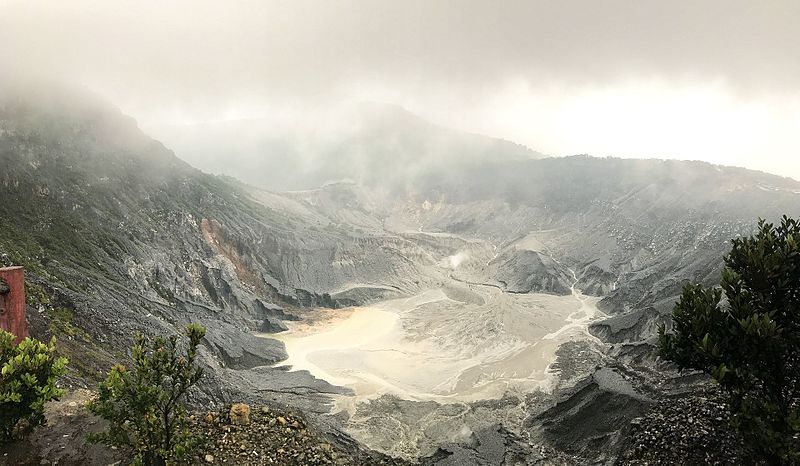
12, 302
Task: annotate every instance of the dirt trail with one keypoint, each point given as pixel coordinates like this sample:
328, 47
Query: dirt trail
62, 440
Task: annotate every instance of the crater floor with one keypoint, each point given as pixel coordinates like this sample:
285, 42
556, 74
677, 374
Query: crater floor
456, 344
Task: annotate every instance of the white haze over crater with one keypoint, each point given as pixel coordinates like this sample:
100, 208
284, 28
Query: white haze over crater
714, 80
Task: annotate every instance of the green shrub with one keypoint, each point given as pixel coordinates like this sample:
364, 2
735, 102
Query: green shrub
27, 381
144, 404
750, 341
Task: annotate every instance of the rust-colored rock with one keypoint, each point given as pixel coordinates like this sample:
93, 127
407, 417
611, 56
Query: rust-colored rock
12, 301
240, 414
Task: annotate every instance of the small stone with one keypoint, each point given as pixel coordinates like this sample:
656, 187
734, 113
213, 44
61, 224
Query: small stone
282, 420
240, 414
264, 410
209, 458
209, 418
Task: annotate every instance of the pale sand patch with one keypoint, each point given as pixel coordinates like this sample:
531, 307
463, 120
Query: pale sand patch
358, 329
429, 347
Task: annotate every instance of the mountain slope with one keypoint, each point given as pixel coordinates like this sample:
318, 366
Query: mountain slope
118, 235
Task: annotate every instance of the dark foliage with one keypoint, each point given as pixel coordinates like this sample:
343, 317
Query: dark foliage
144, 404
746, 334
28, 374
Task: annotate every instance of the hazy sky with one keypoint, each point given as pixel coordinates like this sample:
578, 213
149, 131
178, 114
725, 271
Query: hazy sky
710, 80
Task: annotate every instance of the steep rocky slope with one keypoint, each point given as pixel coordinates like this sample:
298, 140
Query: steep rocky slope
119, 235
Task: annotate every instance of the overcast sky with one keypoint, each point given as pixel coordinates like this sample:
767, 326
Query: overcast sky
709, 80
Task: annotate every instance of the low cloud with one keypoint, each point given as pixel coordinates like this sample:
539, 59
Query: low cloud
610, 78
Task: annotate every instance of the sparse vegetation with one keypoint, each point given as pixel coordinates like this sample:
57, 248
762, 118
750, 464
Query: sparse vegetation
27, 381
746, 335
62, 324
161, 290
144, 404
35, 295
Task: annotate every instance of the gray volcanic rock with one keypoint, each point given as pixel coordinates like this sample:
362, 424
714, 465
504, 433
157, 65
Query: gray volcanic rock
273, 317
357, 295
636, 325
492, 446
272, 325
296, 389
593, 417
596, 281
242, 350
530, 272
688, 428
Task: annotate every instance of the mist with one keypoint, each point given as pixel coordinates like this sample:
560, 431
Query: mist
413, 232
714, 81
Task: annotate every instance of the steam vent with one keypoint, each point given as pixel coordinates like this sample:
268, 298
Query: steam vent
12, 301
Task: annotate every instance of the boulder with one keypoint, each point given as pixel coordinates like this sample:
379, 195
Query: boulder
240, 414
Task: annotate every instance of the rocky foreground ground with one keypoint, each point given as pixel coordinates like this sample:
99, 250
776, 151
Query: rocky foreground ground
258, 435
688, 428
262, 436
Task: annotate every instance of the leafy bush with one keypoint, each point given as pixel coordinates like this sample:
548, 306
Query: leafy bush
749, 341
27, 381
144, 404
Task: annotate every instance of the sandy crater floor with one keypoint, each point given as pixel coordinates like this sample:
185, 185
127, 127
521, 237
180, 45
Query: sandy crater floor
455, 344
